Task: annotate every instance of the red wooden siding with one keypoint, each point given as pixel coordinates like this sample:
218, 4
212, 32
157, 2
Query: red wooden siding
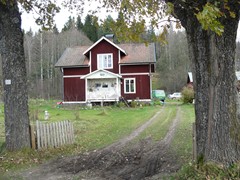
102, 48
135, 69
142, 88
75, 71
74, 89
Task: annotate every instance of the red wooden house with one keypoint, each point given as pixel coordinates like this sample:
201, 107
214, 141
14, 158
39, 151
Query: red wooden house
107, 71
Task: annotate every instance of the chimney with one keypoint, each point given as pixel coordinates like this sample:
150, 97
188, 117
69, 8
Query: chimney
109, 37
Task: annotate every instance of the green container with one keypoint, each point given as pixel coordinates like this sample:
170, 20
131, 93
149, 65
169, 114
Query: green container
158, 94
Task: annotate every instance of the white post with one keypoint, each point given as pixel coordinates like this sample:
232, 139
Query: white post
46, 115
86, 90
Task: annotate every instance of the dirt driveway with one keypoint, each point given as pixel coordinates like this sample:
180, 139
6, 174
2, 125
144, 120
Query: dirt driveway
125, 159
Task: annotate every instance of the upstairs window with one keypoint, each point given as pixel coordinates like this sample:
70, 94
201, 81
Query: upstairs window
105, 61
129, 86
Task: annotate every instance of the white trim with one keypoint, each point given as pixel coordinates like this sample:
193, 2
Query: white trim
103, 38
90, 61
86, 92
137, 63
133, 74
104, 54
87, 75
74, 102
104, 100
73, 76
141, 100
119, 59
129, 79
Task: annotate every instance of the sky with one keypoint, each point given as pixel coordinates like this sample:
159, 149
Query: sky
62, 17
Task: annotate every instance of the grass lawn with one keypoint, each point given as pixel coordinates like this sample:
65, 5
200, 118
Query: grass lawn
182, 142
94, 128
159, 128
99, 127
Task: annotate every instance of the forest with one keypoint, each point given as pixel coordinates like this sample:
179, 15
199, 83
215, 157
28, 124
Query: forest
44, 48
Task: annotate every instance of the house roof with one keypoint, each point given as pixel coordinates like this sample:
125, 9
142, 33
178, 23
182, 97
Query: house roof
131, 54
138, 53
101, 73
73, 57
110, 42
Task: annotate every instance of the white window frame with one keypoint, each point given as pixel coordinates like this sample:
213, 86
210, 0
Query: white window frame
125, 85
100, 60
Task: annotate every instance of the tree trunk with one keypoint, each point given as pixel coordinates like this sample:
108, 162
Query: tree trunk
217, 101
14, 77
41, 64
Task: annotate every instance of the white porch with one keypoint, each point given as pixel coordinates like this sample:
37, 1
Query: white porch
102, 85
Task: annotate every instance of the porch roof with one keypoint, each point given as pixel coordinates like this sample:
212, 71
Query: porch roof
101, 74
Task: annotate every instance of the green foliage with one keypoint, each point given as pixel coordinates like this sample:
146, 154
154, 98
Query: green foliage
106, 27
90, 27
79, 23
209, 18
121, 104
187, 94
46, 11
156, 102
70, 24
134, 104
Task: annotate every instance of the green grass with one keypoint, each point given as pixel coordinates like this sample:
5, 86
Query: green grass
159, 128
94, 128
182, 142
97, 129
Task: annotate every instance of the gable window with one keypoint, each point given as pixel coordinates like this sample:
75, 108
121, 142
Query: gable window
105, 61
129, 85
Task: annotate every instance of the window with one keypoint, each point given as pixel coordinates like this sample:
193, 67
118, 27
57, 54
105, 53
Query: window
105, 85
129, 85
105, 61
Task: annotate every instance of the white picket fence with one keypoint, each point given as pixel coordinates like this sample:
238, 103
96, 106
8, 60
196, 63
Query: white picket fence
48, 135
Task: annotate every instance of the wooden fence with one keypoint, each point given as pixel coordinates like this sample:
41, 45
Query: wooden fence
48, 135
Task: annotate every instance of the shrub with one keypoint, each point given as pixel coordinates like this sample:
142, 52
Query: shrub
187, 94
121, 104
133, 104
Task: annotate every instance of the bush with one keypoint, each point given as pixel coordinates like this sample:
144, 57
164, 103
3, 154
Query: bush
133, 104
121, 104
187, 94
